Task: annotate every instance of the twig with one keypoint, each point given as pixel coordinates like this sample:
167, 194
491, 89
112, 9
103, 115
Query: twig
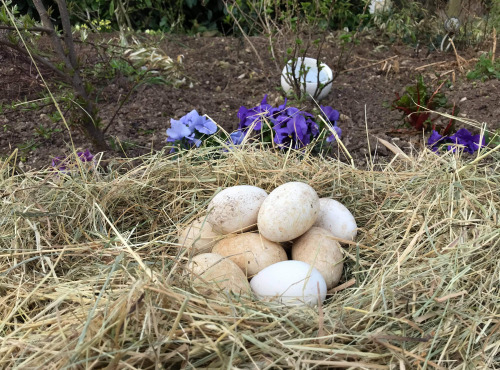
450, 296
494, 48
39, 59
370, 65
457, 56
30, 29
429, 65
340, 287
246, 38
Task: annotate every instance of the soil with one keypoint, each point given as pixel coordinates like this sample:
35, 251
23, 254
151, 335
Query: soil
226, 74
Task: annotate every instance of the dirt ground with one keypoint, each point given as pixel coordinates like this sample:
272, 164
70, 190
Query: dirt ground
226, 74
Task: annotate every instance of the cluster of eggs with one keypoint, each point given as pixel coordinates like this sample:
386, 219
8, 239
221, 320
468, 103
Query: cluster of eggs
246, 236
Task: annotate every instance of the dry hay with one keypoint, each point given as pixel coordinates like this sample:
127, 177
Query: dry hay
91, 275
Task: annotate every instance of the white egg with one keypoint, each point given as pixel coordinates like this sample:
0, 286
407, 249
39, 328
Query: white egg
235, 208
288, 212
337, 219
291, 283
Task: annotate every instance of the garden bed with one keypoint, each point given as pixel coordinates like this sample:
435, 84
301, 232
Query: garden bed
225, 74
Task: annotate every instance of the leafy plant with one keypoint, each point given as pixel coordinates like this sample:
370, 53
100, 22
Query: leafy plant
416, 104
485, 69
46, 132
63, 61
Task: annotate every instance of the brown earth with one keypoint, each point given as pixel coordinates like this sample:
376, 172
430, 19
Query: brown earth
226, 74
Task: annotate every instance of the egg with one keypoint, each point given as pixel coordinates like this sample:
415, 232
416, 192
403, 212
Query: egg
235, 208
337, 219
198, 236
291, 283
250, 251
215, 272
317, 248
288, 212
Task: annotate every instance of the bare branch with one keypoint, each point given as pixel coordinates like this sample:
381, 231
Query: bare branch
38, 58
30, 29
56, 42
68, 35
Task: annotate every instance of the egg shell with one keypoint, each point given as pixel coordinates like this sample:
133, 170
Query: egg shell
337, 219
291, 283
213, 271
288, 212
199, 237
317, 248
250, 251
235, 208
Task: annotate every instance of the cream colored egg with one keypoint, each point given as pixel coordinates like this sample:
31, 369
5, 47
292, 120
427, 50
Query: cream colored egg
236, 208
288, 212
199, 237
291, 283
317, 248
337, 219
250, 251
215, 272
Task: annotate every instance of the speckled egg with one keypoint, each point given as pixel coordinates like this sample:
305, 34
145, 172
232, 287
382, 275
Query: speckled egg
250, 251
288, 212
317, 248
235, 209
215, 272
198, 237
337, 219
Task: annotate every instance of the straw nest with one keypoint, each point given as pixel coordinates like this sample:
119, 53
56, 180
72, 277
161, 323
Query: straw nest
91, 274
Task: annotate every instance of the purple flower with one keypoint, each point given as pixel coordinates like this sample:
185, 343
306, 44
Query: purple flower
332, 137
435, 140
189, 128
199, 123
253, 117
62, 164
331, 114
462, 137
85, 156
470, 142
237, 137
294, 128
177, 131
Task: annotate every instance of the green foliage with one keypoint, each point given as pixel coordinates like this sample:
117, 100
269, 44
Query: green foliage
411, 22
416, 103
46, 132
166, 16
485, 69
255, 17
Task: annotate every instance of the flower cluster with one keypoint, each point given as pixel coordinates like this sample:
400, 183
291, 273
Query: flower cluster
462, 137
63, 164
291, 127
288, 127
189, 130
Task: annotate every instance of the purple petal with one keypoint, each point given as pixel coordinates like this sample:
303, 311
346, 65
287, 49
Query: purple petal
177, 130
332, 136
237, 137
434, 138
333, 115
